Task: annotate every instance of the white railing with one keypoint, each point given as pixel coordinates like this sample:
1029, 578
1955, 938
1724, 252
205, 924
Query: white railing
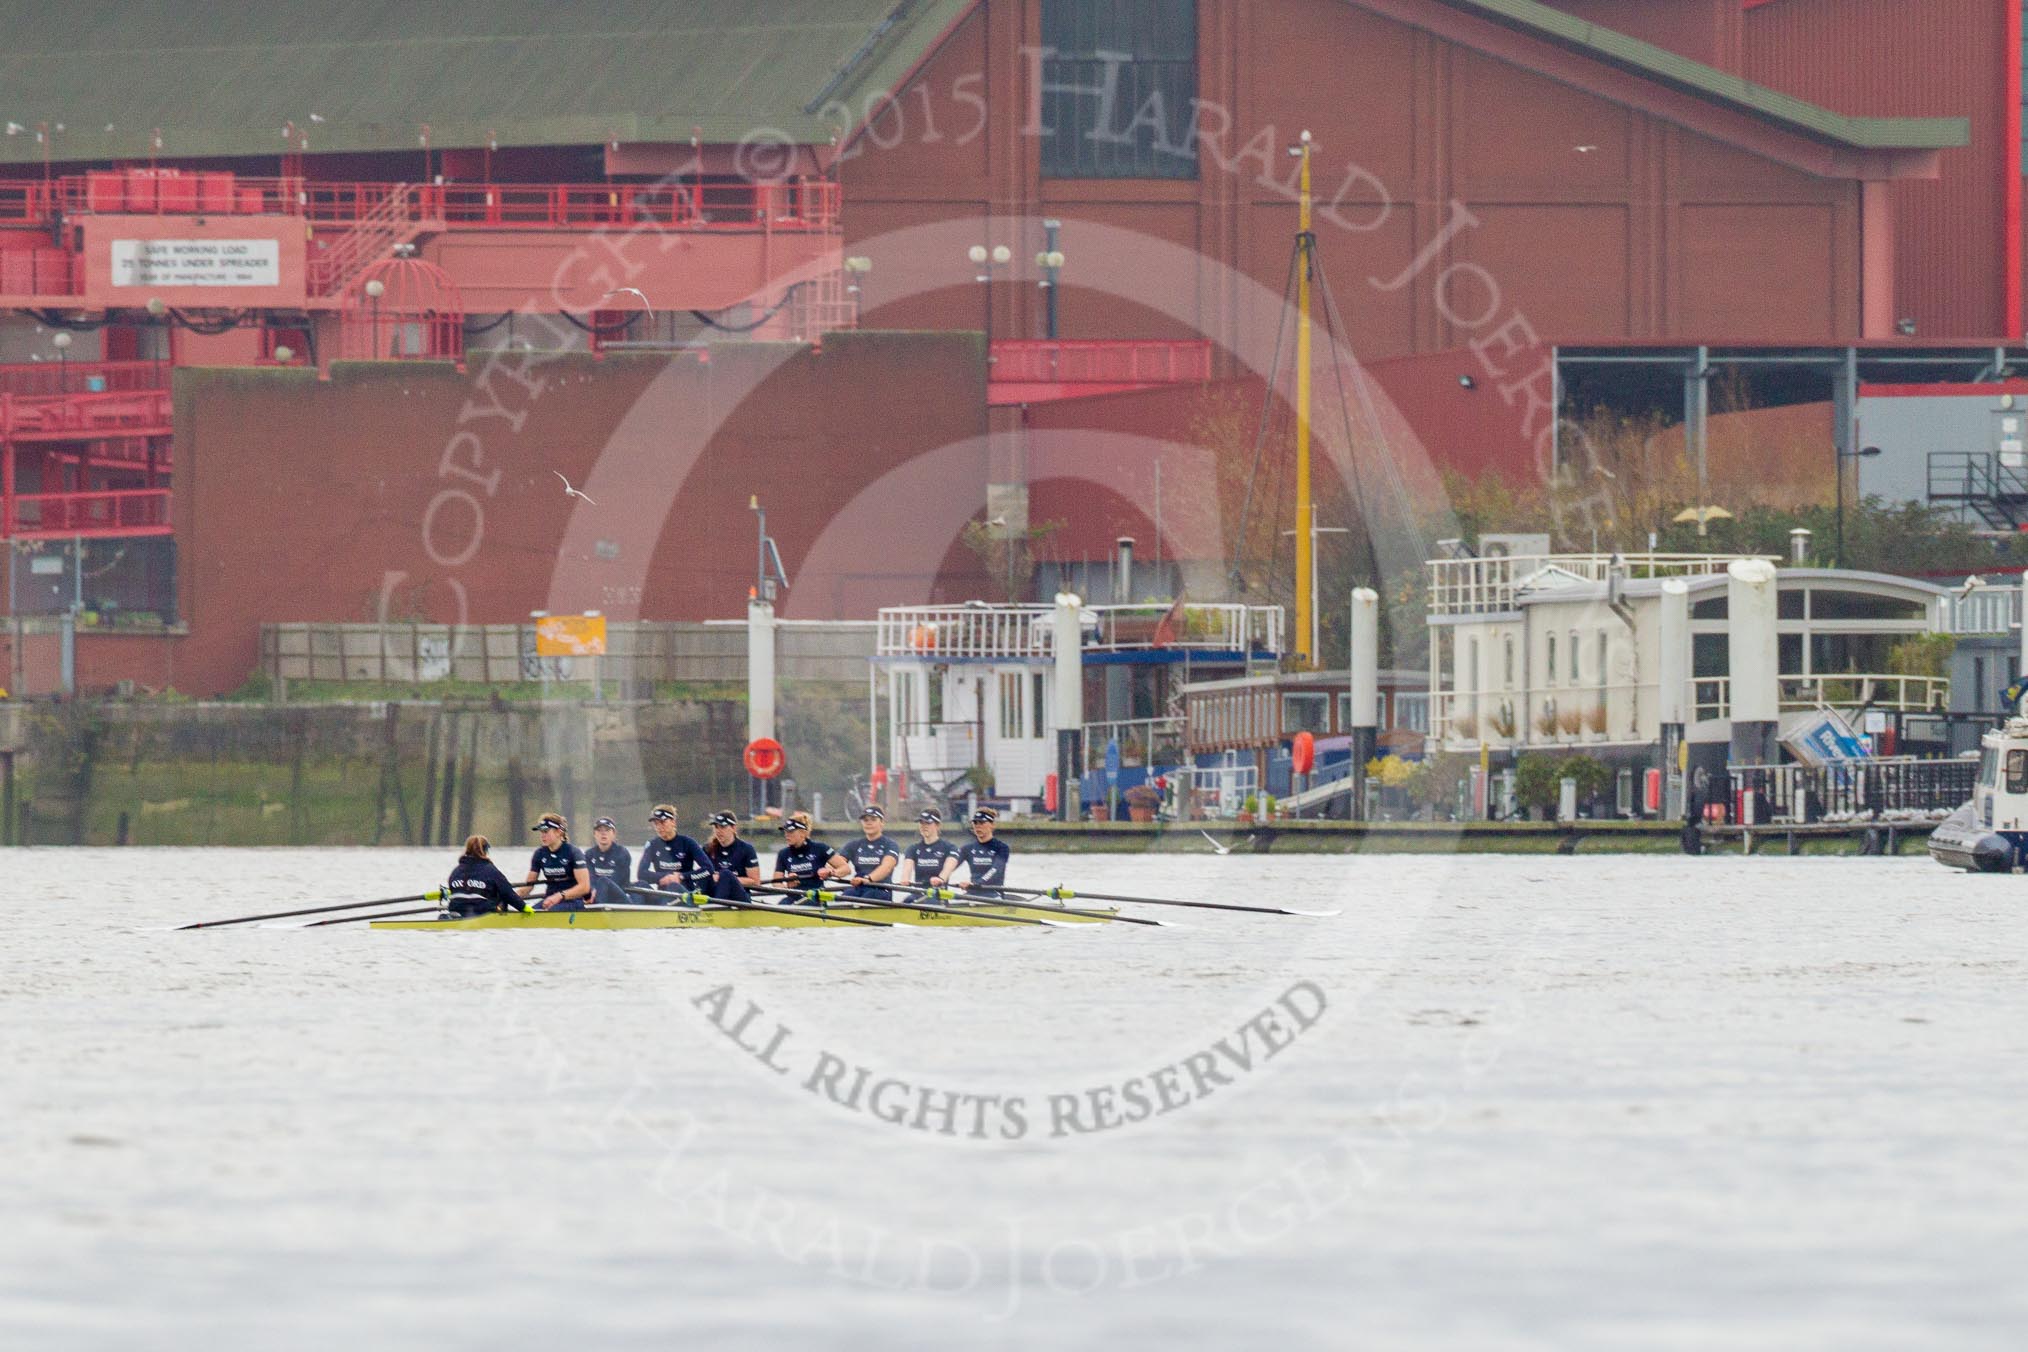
1208, 793
1210, 628
1481, 586
1983, 610
944, 632
1027, 632
940, 751
1143, 741
1711, 696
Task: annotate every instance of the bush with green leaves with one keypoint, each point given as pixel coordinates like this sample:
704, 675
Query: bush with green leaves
1538, 780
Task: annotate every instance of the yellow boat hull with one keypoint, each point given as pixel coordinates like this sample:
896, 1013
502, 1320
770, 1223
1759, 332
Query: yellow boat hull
715, 917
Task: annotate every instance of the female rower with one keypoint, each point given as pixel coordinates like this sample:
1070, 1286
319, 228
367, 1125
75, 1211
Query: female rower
670, 861
477, 886
559, 866
925, 860
985, 857
735, 864
611, 863
801, 862
869, 862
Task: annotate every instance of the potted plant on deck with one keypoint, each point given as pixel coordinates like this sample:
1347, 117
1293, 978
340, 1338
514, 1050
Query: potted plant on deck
1142, 800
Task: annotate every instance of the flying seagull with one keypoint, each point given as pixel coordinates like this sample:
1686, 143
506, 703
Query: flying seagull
571, 492
631, 291
1222, 849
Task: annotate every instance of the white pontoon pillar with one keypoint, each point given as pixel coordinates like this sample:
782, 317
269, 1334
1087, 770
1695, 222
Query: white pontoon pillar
1753, 650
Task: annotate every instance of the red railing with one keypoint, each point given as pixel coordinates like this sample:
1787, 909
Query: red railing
799, 205
117, 511
1082, 361
81, 377
114, 413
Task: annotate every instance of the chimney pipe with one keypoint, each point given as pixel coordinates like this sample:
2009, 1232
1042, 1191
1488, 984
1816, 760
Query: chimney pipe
1126, 583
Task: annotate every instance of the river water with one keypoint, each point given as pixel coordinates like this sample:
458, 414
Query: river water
1496, 1102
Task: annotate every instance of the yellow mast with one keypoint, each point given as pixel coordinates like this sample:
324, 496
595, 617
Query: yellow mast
1306, 603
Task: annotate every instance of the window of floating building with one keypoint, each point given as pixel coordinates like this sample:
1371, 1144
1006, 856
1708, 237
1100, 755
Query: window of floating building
1011, 725
1713, 609
1837, 654
1306, 713
1036, 685
1710, 656
1829, 604
1119, 78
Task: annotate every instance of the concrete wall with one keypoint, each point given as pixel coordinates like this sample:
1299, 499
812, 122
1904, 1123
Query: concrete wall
417, 774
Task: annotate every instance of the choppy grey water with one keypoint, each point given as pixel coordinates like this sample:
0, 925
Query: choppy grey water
1498, 1102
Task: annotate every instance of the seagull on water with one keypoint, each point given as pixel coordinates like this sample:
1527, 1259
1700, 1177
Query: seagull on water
571, 492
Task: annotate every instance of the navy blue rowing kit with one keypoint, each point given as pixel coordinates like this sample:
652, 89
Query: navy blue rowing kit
612, 873
987, 860
679, 855
557, 869
865, 857
928, 858
477, 887
804, 863
730, 864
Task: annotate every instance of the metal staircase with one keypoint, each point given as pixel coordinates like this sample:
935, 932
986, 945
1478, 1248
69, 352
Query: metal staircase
1982, 487
388, 224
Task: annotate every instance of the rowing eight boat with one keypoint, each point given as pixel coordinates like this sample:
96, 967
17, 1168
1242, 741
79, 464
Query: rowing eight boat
721, 917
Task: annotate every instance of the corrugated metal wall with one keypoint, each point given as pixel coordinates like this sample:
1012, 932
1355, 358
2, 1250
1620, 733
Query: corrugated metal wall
1941, 58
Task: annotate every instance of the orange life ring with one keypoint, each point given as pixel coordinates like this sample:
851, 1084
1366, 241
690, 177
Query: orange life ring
1303, 753
764, 758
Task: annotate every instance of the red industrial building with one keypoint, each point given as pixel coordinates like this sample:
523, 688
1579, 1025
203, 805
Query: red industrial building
1104, 190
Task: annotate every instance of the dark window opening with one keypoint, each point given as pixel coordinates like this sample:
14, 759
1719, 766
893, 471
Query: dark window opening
1830, 604
1119, 81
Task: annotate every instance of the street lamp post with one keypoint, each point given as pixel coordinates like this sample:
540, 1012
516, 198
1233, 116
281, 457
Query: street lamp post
375, 289
63, 342
1050, 261
1863, 453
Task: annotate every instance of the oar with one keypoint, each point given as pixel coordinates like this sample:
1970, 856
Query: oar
314, 910
1065, 894
432, 895
946, 894
377, 915
702, 899
922, 906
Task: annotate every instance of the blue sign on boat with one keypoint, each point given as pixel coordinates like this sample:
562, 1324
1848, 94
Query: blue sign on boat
1113, 760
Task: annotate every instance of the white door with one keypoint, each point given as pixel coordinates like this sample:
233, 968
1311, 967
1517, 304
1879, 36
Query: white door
1018, 730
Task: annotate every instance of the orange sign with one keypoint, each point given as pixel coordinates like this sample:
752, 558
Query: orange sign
570, 636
